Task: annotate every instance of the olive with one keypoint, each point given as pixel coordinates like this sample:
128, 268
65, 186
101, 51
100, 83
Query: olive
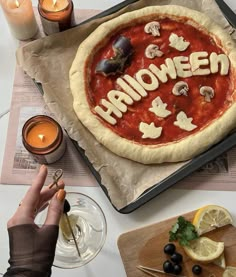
123, 46
107, 67
177, 269
176, 258
196, 269
168, 267
169, 248
66, 208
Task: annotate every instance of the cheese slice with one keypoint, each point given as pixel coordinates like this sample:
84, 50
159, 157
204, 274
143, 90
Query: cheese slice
184, 122
178, 42
150, 130
159, 108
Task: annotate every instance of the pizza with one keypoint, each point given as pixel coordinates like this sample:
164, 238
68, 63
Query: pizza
156, 84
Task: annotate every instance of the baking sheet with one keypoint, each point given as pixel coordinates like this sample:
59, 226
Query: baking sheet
184, 171
153, 188
178, 175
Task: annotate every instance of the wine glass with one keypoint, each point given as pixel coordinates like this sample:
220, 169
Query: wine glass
89, 228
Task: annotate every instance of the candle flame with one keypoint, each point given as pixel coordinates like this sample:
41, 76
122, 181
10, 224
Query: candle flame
41, 137
17, 3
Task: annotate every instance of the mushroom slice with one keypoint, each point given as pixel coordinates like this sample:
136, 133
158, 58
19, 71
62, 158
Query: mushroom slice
152, 28
153, 51
180, 88
207, 92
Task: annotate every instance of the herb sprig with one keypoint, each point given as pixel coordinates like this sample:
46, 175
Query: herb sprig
183, 231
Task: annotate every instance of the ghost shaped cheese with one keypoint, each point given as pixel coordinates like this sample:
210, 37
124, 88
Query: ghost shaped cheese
150, 130
184, 122
159, 108
178, 42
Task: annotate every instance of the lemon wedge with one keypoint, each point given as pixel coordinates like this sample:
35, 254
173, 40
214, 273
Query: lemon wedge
211, 217
220, 261
230, 271
65, 227
204, 249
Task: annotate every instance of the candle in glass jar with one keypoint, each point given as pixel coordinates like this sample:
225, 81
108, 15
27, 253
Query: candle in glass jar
43, 137
42, 134
20, 18
56, 15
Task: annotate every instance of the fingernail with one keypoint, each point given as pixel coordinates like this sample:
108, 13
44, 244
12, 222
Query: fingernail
61, 183
42, 167
61, 194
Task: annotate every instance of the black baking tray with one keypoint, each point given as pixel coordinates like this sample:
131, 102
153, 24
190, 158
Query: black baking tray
189, 167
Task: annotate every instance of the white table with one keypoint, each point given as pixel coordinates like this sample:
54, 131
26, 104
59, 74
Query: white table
168, 204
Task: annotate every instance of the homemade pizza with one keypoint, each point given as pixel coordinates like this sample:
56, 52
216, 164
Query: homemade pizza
156, 84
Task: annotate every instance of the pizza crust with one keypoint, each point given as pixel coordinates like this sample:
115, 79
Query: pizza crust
181, 150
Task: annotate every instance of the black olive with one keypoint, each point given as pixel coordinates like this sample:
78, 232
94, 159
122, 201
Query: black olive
169, 248
176, 258
168, 267
107, 67
123, 46
66, 208
196, 269
177, 269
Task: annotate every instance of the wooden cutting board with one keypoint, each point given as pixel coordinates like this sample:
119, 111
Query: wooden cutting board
144, 246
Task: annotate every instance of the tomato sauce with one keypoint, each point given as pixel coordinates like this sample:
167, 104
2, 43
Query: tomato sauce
194, 105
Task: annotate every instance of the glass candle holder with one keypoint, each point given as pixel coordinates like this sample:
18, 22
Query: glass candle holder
43, 137
20, 18
56, 15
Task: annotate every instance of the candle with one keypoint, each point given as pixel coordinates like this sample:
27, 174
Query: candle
42, 134
43, 137
20, 18
56, 15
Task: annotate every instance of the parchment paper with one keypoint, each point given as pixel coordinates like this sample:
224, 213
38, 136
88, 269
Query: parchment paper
48, 60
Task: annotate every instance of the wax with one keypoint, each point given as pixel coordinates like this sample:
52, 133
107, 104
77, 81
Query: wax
56, 15
54, 6
20, 18
42, 134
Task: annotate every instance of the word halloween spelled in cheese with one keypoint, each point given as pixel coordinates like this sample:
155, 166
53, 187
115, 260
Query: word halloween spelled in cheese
134, 89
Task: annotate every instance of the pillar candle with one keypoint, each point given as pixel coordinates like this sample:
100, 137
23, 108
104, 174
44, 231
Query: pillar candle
20, 18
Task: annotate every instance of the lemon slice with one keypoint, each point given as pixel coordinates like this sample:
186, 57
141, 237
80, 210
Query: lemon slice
204, 249
211, 217
230, 271
220, 261
64, 225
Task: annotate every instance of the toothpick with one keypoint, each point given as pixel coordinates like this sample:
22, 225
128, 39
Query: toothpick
148, 269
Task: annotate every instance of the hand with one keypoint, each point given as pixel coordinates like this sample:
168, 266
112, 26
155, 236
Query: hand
36, 199
32, 249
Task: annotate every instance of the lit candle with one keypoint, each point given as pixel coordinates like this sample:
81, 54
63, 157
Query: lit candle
42, 134
20, 18
43, 137
56, 15
54, 5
